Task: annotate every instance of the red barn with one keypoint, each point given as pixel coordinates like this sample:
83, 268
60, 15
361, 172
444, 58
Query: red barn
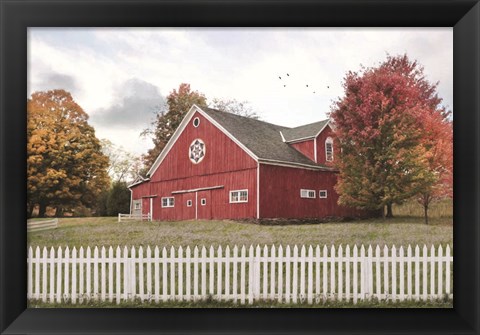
219, 165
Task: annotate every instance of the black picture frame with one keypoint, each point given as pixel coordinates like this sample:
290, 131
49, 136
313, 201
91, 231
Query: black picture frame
16, 16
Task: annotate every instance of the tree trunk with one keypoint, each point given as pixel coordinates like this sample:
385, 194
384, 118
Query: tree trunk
42, 209
425, 210
389, 211
383, 213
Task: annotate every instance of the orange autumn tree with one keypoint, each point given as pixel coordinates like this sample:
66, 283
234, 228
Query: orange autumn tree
385, 158
438, 141
65, 165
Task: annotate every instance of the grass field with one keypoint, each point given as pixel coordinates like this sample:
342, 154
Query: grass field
106, 231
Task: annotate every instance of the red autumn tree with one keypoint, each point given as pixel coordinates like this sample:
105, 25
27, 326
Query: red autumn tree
384, 158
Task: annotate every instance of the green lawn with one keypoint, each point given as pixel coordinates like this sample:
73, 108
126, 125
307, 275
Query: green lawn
106, 231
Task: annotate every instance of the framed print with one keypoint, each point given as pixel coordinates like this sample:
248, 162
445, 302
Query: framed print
268, 172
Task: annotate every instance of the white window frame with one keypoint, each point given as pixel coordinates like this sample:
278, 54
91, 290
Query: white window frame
320, 196
203, 201
307, 194
189, 203
329, 140
193, 122
238, 197
170, 202
137, 206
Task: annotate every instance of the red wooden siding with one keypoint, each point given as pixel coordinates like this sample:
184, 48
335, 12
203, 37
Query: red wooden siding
221, 155
280, 194
307, 148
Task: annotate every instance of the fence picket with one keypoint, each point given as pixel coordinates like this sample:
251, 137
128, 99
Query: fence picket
287, 274
204, 271
74, 276
394, 273
235, 274
227, 273
355, 274
242, 275
118, 277
340, 273
179, 271
66, 272
44, 274
417, 273
164, 274
265, 273
409, 272
88, 272
195, 272
306, 274
148, 263
95, 273
378, 282
309, 276
332, 273
52, 276
280, 274
447, 270
188, 278
156, 270
402, 275
432, 272
272, 272
347, 273
37, 273
172, 274
295, 275
219, 272
440, 271
302, 273
103, 287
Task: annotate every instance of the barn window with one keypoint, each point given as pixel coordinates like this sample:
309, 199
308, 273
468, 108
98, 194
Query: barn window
168, 202
196, 122
138, 205
238, 196
322, 194
203, 201
197, 150
307, 193
189, 203
329, 149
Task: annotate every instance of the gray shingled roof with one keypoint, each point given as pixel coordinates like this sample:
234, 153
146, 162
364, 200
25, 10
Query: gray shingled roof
262, 138
305, 131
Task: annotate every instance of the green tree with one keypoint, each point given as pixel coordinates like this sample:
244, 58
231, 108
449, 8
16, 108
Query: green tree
167, 120
378, 123
65, 165
118, 200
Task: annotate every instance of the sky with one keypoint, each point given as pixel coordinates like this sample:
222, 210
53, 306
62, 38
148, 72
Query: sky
121, 76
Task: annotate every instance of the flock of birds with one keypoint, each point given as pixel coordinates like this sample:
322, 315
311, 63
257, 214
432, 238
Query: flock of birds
306, 85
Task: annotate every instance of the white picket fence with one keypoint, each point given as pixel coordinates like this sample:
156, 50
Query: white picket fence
42, 225
286, 275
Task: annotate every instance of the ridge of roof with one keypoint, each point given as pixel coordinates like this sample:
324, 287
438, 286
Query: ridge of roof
263, 139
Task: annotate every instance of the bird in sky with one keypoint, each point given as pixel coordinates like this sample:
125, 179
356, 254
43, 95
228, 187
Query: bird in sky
279, 77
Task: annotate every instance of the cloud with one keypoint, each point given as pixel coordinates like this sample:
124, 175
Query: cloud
55, 80
134, 104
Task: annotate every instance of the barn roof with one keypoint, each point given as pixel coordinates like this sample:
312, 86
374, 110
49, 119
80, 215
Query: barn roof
310, 130
264, 139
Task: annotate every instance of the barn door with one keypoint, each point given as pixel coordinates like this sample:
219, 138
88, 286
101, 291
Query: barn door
204, 205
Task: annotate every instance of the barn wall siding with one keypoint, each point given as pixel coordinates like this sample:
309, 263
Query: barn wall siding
222, 154
307, 148
280, 194
218, 201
